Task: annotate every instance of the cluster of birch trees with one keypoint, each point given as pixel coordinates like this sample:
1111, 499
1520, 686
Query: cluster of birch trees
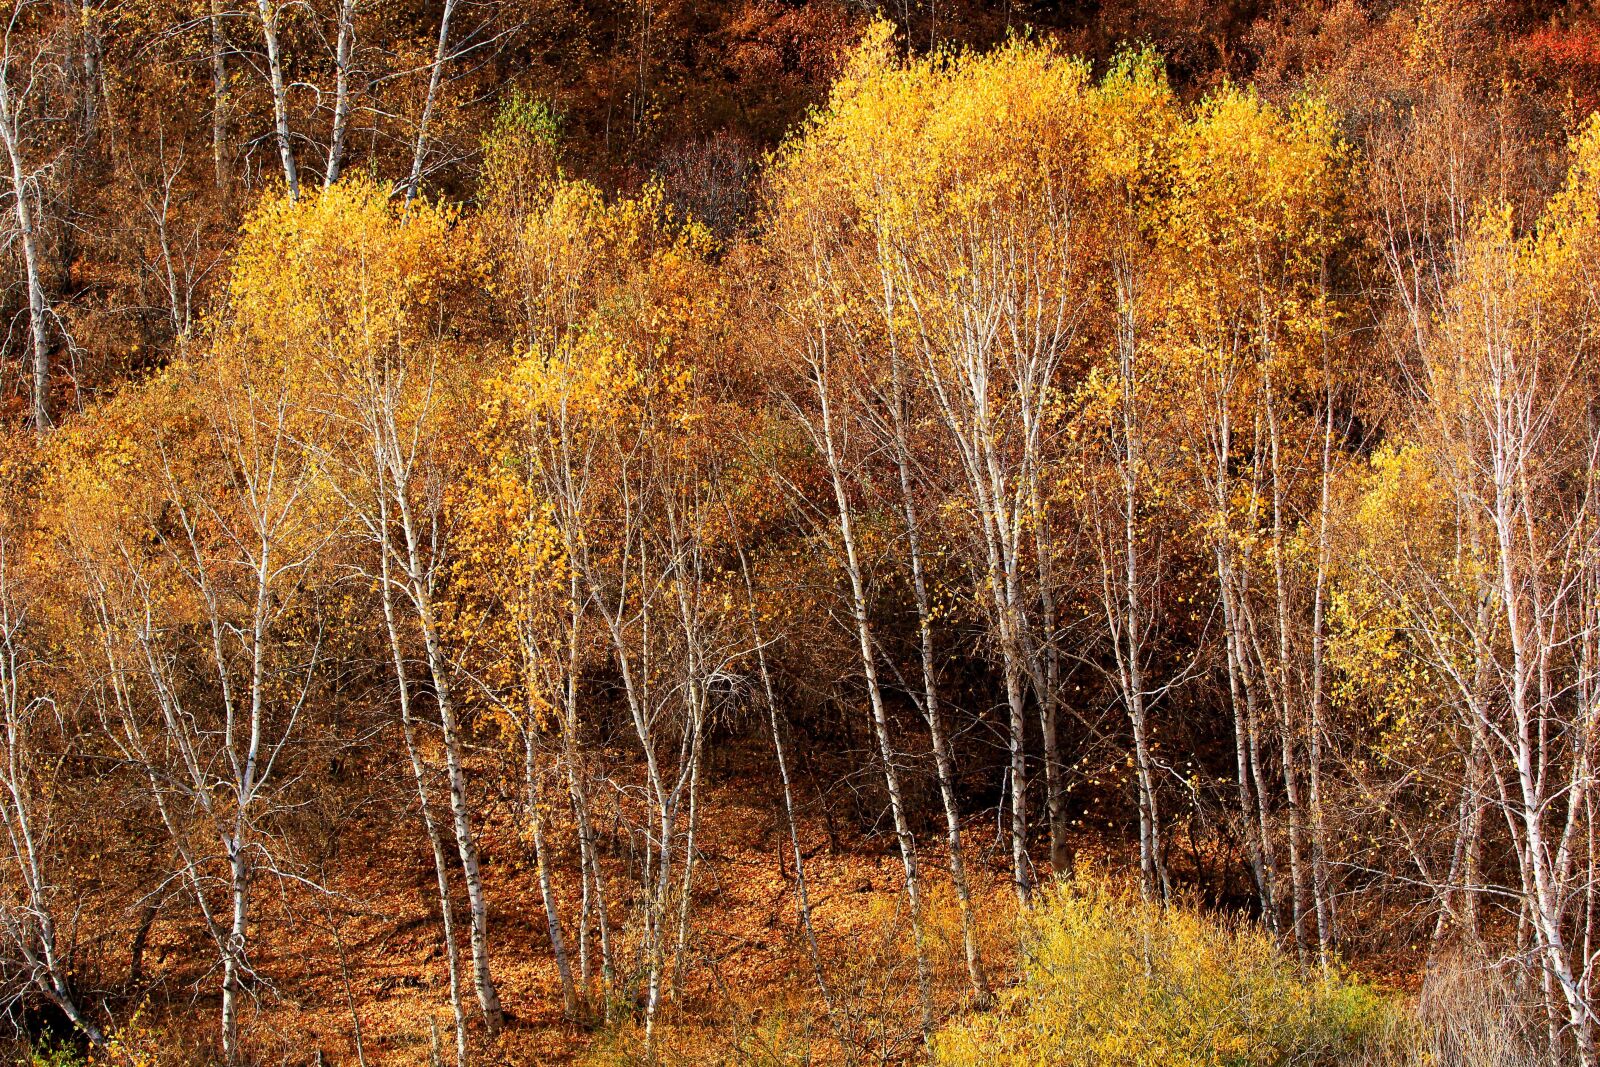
1203, 483
134, 136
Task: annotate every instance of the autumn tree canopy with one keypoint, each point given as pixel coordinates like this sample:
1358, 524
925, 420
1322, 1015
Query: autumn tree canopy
732, 533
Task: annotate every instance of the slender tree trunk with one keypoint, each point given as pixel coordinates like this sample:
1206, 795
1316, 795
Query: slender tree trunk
585, 917
270, 10
1288, 699
1005, 593
1320, 888
541, 859
343, 47
419, 778
802, 892
18, 769
1125, 603
219, 96
1242, 703
460, 807
595, 886
686, 892
91, 52
239, 871
1252, 714
633, 665
418, 580
594, 879
932, 710
1048, 683
466, 843
22, 195
441, 56
880, 717
1241, 697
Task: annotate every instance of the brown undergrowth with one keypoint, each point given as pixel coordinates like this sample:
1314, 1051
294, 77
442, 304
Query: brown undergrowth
367, 956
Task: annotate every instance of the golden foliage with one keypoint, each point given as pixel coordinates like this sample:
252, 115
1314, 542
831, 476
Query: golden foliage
1109, 979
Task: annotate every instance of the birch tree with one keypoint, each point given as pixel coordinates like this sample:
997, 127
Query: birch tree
211, 726
29, 716
271, 18
363, 327
30, 70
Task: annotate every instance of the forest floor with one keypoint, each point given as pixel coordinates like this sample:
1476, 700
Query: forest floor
369, 955
371, 951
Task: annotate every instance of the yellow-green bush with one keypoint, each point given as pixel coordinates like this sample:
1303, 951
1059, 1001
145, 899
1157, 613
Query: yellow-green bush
1111, 980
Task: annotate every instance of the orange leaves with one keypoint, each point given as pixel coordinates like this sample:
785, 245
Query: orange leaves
907, 147
622, 314
341, 269
608, 402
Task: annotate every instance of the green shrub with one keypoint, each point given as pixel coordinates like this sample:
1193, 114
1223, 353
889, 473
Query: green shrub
49, 1053
1110, 980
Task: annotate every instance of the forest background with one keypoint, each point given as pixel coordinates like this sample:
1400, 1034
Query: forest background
756, 531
